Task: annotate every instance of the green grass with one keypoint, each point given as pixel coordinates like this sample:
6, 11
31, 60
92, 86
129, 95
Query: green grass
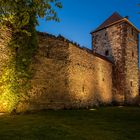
110, 123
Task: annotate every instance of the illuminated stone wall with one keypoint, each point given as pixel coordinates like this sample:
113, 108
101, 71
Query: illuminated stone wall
131, 62
50, 82
67, 76
90, 78
116, 43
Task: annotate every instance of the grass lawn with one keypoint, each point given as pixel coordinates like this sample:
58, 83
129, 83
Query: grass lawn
108, 123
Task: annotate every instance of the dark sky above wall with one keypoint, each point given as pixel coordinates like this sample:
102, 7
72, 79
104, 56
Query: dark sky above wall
80, 17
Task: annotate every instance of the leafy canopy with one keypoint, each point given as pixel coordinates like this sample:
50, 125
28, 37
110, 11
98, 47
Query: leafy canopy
18, 13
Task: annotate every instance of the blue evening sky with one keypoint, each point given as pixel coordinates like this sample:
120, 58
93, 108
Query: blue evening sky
80, 17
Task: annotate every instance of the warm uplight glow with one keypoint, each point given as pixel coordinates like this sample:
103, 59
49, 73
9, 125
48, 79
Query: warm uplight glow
1, 114
93, 109
120, 106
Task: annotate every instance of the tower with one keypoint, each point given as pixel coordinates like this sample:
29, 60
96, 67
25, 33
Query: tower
117, 39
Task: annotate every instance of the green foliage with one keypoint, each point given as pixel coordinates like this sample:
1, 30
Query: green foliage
17, 71
19, 12
9, 96
22, 17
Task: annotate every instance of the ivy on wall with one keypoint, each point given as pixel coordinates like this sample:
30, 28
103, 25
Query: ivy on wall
17, 71
21, 16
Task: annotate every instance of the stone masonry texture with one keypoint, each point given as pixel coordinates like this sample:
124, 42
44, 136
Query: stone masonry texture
67, 76
119, 43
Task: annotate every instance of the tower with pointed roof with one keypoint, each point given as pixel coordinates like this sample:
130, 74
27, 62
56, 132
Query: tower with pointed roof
117, 39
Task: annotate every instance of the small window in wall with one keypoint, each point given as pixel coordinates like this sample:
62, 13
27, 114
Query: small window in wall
107, 52
83, 88
132, 54
66, 82
16, 49
131, 83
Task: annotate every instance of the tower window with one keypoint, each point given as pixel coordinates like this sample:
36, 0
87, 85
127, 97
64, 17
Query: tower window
131, 83
106, 52
132, 54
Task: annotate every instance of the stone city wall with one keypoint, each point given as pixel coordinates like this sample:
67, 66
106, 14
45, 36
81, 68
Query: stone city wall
50, 88
90, 78
67, 76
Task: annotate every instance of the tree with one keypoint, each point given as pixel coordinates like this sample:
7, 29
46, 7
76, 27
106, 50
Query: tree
20, 17
19, 12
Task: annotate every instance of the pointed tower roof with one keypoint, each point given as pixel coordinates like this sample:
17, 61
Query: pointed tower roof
114, 18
